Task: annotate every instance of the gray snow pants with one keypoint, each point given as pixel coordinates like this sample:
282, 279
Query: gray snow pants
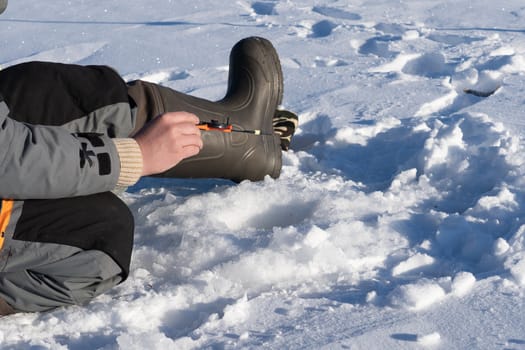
37, 274
43, 276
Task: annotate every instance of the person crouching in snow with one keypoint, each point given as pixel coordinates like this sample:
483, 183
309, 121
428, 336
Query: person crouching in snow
70, 135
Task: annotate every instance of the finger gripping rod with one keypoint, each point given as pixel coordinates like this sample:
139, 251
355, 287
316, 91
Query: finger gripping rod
215, 125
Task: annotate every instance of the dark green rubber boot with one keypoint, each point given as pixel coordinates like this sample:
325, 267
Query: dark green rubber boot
255, 88
3, 5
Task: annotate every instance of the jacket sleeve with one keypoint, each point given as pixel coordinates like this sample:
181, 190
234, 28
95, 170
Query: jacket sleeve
50, 162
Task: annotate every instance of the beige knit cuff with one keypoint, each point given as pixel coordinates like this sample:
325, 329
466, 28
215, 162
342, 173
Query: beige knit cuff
130, 161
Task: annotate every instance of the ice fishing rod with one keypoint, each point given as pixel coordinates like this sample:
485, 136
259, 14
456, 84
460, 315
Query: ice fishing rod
215, 125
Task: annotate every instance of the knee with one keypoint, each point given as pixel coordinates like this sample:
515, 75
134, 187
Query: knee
114, 230
113, 211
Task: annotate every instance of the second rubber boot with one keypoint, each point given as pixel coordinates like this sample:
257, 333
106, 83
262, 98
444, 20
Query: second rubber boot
255, 88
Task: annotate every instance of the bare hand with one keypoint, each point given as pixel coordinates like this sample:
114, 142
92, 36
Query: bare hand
168, 139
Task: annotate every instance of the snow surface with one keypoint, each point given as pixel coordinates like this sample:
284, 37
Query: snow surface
399, 218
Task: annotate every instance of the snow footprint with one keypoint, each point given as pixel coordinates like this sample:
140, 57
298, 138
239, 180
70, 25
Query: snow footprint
324, 27
388, 33
336, 13
378, 46
425, 340
264, 8
314, 30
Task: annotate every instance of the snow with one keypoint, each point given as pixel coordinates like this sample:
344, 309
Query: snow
399, 218
429, 339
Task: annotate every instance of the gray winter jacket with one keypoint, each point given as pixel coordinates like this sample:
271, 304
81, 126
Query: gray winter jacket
49, 162
63, 131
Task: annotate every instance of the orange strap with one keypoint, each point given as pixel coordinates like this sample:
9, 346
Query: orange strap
5, 215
